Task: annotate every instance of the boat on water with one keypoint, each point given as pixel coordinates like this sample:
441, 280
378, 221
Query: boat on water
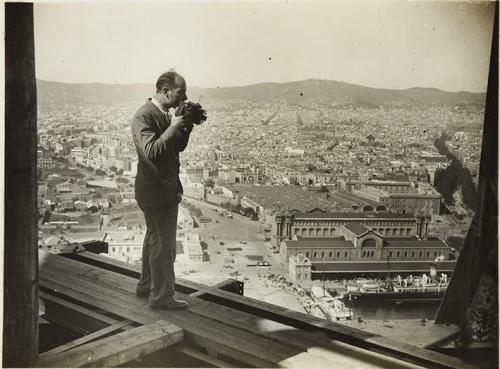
412, 288
333, 307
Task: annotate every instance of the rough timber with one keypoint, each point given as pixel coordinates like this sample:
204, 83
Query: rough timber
231, 328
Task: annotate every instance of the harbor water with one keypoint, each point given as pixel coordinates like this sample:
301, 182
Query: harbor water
392, 309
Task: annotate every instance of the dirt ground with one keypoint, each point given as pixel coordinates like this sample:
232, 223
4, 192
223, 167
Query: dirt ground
234, 244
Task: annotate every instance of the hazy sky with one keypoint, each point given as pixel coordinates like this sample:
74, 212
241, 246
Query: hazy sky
378, 44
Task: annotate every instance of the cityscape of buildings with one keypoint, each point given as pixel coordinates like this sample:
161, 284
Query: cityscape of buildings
336, 190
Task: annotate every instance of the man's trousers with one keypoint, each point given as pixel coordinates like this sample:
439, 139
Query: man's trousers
158, 254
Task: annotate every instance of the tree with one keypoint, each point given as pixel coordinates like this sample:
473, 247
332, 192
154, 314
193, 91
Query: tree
311, 167
209, 182
469, 191
113, 168
235, 208
446, 181
248, 212
119, 171
455, 242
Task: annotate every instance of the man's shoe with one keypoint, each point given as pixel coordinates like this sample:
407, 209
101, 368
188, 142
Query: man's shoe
171, 304
142, 294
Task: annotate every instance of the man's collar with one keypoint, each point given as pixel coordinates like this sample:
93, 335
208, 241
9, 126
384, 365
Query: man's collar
158, 105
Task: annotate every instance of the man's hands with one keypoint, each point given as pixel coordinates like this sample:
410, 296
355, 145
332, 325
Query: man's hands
181, 123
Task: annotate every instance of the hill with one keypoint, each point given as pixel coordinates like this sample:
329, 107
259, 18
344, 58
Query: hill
303, 92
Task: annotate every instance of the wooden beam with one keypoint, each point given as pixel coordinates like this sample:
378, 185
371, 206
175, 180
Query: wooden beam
20, 319
198, 330
117, 349
332, 330
106, 290
230, 285
283, 333
123, 325
349, 335
210, 359
83, 320
130, 270
73, 316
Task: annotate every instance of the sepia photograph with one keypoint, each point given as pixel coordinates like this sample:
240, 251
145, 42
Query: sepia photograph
234, 184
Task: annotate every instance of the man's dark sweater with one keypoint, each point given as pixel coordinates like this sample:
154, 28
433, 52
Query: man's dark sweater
158, 145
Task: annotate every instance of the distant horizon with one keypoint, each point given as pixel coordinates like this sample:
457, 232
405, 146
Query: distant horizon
392, 45
264, 82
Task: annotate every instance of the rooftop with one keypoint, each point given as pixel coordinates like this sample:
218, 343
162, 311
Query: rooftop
356, 228
104, 183
292, 197
381, 266
411, 242
353, 215
414, 242
319, 242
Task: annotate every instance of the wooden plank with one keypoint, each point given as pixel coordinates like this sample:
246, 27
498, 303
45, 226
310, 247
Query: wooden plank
349, 335
131, 270
77, 281
314, 343
123, 325
204, 357
304, 341
73, 316
20, 314
230, 319
227, 285
84, 320
117, 349
282, 333
249, 322
202, 332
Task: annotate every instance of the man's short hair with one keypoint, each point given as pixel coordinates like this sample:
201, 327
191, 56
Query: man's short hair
169, 80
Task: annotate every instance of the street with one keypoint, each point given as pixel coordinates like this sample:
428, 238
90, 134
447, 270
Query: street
233, 244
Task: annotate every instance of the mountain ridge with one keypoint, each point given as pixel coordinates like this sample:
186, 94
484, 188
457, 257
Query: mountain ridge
295, 92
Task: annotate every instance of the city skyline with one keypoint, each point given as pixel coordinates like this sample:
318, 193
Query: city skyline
395, 45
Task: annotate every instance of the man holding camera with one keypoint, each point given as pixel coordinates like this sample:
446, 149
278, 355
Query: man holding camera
158, 138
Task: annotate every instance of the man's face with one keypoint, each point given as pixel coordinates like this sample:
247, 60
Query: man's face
177, 94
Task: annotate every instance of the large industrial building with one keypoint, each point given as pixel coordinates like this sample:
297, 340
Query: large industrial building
318, 223
361, 251
405, 197
347, 245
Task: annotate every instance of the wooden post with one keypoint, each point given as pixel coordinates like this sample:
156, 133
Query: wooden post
20, 334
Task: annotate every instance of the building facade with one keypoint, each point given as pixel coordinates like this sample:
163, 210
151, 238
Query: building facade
361, 251
318, 223
402, 196
299, 268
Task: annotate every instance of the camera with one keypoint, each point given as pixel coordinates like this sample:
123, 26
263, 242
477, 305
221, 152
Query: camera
192, 111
